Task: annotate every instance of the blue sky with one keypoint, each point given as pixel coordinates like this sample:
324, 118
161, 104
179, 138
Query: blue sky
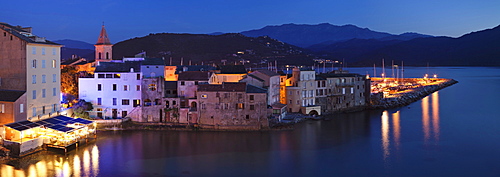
125, 19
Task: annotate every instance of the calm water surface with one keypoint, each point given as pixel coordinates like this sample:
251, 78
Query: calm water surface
453, 132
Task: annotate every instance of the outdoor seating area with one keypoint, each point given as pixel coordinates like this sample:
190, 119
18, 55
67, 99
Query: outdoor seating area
59, 131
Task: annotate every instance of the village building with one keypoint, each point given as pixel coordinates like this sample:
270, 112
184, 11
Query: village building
187, 87
228, 73
172, 71
270, 81
236, 106
30, 71
342, 91
301, 92
114, 89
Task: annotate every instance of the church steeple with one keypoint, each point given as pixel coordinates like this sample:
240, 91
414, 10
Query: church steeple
103, 47
103, 37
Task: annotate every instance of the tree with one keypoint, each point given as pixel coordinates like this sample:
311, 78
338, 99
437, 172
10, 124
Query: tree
69, 81
81, 108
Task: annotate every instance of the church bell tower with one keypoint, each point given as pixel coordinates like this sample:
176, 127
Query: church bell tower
103, 47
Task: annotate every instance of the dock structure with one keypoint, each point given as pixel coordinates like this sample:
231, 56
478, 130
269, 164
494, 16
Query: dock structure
391, 93
24, 137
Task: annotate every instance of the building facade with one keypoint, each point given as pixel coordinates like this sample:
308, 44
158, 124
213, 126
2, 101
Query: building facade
30, 64
114, 89
232, 106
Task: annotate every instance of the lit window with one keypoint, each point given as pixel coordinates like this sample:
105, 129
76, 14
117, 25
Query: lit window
152, 87
21, 108
2, 108
204, 96
54, 63
240, 106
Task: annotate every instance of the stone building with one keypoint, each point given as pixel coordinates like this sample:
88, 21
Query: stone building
301, 92
234, 106
228, 73
30, 68
342, 91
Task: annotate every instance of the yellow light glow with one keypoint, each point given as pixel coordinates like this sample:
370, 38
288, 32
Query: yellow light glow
385, 134
425, 118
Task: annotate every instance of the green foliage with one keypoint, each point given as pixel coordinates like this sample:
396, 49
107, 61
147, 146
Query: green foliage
81, 108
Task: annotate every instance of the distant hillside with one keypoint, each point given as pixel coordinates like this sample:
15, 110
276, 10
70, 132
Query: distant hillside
66, 53
480, 48
75, 44
307, 35
206, 48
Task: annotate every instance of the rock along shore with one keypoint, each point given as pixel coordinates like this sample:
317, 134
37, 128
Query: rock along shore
407, 98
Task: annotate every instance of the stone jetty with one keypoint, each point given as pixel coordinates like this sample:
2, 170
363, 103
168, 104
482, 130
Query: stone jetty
377, 101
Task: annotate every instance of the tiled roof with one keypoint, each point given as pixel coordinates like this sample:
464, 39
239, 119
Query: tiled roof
10, 95
16, 31
181, 68
330, 75
153, 61
194, 76
233, 69
103, 37
267, 72
254, 89
255, 77
118, 67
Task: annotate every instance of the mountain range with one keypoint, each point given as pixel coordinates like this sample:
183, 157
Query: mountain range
355, 45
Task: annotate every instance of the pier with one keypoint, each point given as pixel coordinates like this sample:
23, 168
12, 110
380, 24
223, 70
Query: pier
391, 93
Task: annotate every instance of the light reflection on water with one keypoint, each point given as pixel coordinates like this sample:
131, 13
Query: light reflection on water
54, 164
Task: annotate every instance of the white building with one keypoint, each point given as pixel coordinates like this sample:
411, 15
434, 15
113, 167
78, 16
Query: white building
114, 89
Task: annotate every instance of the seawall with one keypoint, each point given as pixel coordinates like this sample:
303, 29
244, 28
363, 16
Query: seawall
409, 97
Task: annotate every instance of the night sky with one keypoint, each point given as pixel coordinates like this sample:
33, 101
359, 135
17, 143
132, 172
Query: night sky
125, 19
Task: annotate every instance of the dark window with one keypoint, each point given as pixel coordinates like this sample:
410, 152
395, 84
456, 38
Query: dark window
138, 76
217, 94
125, 102
43, 109
251, 97
157, 102
100, 75
167, 104
182, 82
99, 87
240, 95
248, 116
168, 92
114, 87
109, 75
124, 113
117, 76
195, 82
252, 107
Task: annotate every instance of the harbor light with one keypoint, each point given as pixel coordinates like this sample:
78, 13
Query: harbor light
435, 76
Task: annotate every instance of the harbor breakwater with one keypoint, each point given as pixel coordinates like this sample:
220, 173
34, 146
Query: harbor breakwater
406, 98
